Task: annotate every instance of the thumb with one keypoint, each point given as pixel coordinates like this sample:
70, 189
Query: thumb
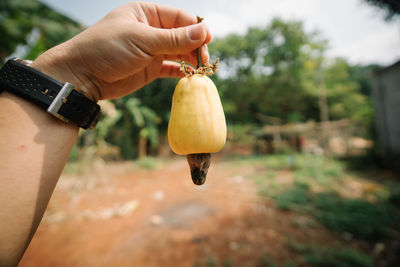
176, 41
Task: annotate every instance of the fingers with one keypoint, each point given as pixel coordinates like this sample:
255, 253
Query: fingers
170, 70
164, 69
176, 41
140, 38
167, 30
190, 58
170, 17
167, 17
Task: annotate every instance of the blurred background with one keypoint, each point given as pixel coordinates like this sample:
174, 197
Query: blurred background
309, 175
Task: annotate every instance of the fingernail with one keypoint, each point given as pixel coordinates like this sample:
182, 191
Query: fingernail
196, 32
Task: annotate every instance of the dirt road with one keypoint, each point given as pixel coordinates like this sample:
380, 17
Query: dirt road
126, 216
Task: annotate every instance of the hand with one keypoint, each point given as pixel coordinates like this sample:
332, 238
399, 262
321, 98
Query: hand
130, 47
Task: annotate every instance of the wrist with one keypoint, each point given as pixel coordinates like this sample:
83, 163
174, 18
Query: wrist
56, 63
46, 87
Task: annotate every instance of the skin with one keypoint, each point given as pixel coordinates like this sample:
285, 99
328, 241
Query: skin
127, 49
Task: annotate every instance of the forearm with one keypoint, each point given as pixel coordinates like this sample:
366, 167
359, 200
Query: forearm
34, 147
129, 48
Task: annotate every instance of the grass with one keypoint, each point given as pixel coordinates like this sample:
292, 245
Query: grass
305, 167
357, 216
337, 257
275, 162
209, 261
296, 196
264, 261
148, 163
333, 256
316, 186
322, 170
360, 218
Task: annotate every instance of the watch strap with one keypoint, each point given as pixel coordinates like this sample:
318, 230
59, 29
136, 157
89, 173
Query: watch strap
61, 100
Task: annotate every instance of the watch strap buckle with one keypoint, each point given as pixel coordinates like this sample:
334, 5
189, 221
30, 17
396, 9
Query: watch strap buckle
69, 91
59, 100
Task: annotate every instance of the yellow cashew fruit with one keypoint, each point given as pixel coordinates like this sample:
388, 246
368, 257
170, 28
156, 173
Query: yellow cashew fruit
197, 123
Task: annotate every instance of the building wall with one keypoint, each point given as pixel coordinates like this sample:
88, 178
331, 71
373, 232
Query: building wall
386, 85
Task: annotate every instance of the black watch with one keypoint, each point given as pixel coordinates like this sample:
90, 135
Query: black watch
63, 101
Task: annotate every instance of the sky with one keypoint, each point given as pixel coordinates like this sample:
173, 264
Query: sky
354, 29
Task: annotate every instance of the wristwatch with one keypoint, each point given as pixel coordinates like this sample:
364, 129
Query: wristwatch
63, 101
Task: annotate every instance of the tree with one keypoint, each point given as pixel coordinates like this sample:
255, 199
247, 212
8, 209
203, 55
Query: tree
343, 92
279, 74
19, 17
264, 72
391, 7
139, 121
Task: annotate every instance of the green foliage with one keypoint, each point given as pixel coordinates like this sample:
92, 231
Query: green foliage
320, 170
336, 257
395, 195
264, 261
209, 261
270, 75
297, 195
307, 169
280, 70
145, 115
391, 7
277, 162
19, 17
134, 120
265, 67
290, 263
149, 163
315, 255
145, 119
344, 92
228, 263
360, 218
271, 162
240, 134
104, 126
74, 155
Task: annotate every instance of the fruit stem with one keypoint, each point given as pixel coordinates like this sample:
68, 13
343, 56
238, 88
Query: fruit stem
199, 63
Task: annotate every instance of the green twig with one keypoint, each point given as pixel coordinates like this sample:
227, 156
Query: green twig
199, 63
